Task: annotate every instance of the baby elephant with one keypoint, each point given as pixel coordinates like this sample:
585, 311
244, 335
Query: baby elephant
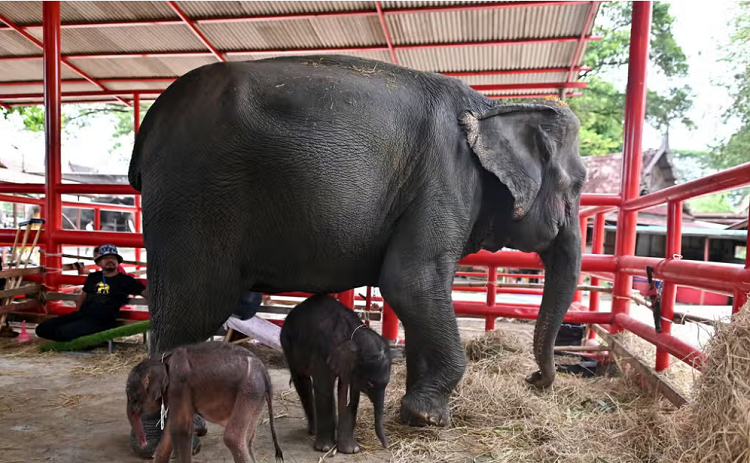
323, 340
224, 383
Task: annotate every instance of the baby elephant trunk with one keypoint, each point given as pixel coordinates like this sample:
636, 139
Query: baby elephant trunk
135, 424
378, 401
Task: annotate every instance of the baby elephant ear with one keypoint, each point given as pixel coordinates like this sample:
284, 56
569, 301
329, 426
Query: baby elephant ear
342, 360
506, 140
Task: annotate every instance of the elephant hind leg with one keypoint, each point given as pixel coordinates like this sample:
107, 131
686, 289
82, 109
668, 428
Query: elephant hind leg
190, 296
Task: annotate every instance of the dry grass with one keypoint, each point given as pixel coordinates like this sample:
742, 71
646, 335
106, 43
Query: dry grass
498, 418
122, 360
715, 427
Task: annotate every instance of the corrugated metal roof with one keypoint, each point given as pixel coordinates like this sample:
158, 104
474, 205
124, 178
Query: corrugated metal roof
13, 44
512, 56
221, 9
378, 55
482, 25
114, 11
126, 39
22, 13
434, 30
141, 67
38, 88
515, 78
27, 70
297, 33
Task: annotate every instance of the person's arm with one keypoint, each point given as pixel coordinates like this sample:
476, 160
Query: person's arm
81, 300
136, 287
88, 287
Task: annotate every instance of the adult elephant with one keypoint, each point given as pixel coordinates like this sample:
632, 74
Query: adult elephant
325, 173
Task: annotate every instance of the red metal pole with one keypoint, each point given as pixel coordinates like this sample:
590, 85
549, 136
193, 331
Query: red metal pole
579, 47
137, 218
53, 177
669, 291
597, 247
524, 311
97, 219
578, 296
635, 112
740, 296
191, 24
386, 32
390, 323
347, 298
489, 322
705, 259
683, 351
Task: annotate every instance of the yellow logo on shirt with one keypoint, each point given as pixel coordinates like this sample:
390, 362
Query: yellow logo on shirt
102, 288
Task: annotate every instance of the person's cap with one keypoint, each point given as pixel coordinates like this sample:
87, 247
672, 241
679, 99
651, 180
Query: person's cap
108, 250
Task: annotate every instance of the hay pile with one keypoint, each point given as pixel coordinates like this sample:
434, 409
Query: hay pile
715, 426
498, 418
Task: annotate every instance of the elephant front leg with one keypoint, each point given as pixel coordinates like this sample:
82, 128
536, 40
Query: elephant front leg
348, 401
325, 413
420, 294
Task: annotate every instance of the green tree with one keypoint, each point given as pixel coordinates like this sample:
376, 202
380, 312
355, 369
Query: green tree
602, 108
736, 149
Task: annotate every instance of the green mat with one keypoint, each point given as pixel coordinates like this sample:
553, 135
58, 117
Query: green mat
98, 338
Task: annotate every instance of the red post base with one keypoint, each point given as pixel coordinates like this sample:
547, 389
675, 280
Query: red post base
390, 323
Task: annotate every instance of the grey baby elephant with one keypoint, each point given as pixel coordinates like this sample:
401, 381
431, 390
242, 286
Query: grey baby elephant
224, 383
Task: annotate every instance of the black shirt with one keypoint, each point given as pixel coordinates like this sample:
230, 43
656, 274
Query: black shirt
105, 295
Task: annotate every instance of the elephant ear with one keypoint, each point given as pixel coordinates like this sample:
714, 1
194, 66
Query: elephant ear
156, 381
510, 143
343, 359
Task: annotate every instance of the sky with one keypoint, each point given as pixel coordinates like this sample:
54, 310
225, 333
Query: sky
699, 28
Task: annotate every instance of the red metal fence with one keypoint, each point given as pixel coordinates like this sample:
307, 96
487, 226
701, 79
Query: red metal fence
727, 279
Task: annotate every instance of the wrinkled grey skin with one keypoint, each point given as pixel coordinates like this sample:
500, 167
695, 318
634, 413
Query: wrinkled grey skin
224, 383
323, 342
325, 173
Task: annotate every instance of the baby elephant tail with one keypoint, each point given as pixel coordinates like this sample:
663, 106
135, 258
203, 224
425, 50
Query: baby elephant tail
269, 400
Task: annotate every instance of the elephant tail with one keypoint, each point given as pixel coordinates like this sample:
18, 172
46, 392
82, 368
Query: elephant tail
269, 400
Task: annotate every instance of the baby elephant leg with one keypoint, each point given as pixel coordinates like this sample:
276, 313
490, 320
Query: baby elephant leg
240, 429
348, 401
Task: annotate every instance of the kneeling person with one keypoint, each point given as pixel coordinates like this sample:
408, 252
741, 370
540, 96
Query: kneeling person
104, 293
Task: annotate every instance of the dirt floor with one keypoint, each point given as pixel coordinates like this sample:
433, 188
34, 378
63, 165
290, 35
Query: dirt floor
63, 408
56, 408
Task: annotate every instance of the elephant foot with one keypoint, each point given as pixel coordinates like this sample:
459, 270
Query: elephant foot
324, 445
539, 381
348, 446
153, 432
199, 425
419, 410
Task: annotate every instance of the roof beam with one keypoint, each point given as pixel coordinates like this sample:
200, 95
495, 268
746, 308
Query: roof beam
310, 51
151, 91
334, 14
386, 33
188, 22
579, 49
39, 44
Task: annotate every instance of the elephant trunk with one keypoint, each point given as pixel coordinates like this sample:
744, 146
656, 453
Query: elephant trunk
135, 423
562, 262
378, 401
